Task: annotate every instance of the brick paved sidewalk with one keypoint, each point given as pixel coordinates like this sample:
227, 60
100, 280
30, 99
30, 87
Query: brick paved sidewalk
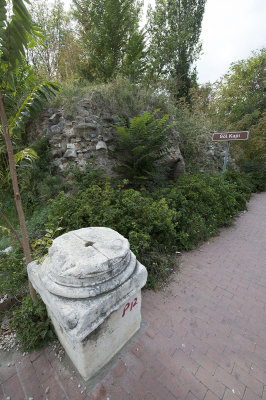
206, 338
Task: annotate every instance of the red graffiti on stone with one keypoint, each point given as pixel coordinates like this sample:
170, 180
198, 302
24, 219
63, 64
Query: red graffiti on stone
130, 306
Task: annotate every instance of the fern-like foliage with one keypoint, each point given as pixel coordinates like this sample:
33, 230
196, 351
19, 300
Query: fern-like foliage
32, 106
140, 148
27, 154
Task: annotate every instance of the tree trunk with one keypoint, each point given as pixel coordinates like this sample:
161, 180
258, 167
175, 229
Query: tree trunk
13, 173
11, 228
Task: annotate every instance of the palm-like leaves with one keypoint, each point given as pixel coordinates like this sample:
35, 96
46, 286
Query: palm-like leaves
32, 106
15, 31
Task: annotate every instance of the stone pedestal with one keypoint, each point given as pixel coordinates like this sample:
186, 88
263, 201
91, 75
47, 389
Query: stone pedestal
90, 283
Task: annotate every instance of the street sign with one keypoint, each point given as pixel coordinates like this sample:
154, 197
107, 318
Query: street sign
226, 136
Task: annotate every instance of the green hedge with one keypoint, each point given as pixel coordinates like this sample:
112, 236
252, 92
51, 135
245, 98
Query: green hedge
173, 217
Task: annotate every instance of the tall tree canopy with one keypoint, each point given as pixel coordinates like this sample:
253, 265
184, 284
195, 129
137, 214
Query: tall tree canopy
240, 94
55, 58
174, 28
111, 37
239, 103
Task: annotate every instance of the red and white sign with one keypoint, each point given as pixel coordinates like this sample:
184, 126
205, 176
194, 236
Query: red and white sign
226, 136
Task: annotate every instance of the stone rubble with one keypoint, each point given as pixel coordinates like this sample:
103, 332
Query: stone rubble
8, 341
85, 137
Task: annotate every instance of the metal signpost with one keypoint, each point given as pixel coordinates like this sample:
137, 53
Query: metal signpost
227, 137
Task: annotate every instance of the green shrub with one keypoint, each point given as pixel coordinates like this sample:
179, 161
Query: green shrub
172, 217
148, 224
256, 174
32, 325
85, 178
203, 204
36, 223
13, 274
37, 183
241, 181
140, 146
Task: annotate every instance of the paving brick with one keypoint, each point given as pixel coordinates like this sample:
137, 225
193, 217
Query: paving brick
71, 388
210, 396
246, 343
248, 380
164, 327
196, 343
249, 395
186, 361
150, 362
35, 354
1, 393
137, 349
172, 365
6, 372
230, 381
151, 332
114, 390
254, 358
161, 342
229, 395
13, 388
203, 361
98, 392
134, 365
155, 387
190, 396
236, 358
43, 368
221, 359
261, 350
29, 379
193, 384
53, 390
258, 373
132, 386
149, 396
174, 385
119, 369
210, 382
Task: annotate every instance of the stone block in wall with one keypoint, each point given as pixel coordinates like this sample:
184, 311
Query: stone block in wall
101, 145
55, 118
57, 129
85, 127
71, 151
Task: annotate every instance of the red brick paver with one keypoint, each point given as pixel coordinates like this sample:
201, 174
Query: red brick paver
206, 338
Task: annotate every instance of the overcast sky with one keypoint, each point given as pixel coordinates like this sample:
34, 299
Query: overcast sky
231, 30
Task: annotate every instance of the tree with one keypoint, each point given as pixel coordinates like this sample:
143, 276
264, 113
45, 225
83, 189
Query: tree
56, 56
240, 94
110, 32
174, 28
239, 104
16, 28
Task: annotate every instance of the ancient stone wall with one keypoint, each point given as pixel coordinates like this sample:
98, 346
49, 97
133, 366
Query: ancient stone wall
87, 136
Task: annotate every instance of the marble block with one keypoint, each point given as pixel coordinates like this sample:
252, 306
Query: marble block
91, 284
